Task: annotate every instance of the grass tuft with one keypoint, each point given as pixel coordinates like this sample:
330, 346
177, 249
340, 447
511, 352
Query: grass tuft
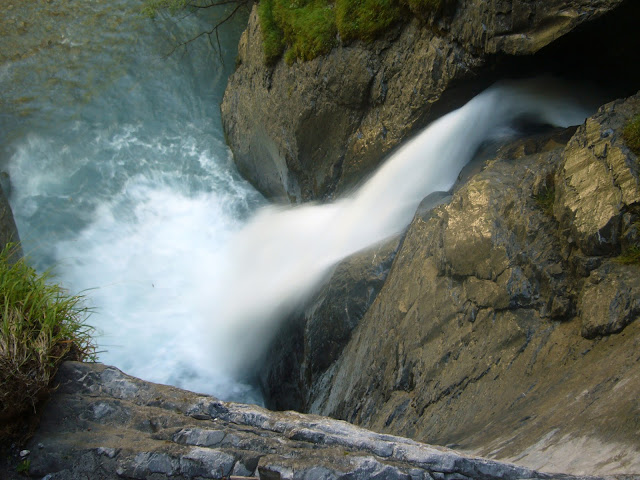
41, 325
631, 134
545, 200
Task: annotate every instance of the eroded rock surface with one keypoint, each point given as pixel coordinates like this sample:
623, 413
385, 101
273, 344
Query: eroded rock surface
505, 327
306, 131
103, 424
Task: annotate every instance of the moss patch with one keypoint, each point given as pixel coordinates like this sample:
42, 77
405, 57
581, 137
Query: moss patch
40, 326
308, 28
545, 200
365, 19
630, 256
631, 134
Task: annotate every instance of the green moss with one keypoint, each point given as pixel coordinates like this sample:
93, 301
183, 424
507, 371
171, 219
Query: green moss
631, 134
545, 200
630, 256
365, 19
308, 28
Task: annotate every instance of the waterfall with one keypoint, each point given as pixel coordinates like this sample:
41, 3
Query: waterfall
282, 254
123, 185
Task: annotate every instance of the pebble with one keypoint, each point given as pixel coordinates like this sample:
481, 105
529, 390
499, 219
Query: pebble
24, 453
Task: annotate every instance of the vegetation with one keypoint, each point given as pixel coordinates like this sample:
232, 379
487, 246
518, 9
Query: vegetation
304, 29
308, 28
545, 200
631, 134
41, 325
630, 256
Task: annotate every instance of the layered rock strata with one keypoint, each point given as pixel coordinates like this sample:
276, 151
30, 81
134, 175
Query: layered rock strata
507, 325
103, 424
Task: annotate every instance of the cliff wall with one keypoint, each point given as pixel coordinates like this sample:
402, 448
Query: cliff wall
312, 129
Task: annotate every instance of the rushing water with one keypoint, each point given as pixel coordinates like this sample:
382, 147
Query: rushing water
122, 183
121, 180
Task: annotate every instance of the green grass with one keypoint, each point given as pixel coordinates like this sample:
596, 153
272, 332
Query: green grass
545, 200
308, 26
41, 325
304, 29
631, 134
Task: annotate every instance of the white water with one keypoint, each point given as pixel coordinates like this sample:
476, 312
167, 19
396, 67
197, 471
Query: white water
128, 191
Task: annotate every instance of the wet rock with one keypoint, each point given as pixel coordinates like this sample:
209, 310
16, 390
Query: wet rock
8, 229
312, 340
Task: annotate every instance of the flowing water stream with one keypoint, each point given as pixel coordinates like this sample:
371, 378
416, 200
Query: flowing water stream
121, 180
122, 183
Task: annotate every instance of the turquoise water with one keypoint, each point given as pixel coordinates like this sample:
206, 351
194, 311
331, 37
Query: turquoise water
120, 177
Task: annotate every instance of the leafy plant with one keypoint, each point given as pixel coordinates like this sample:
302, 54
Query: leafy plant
631, 134
41, 325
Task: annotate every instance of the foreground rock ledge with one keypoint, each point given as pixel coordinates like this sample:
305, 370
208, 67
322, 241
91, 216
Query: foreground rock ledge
103, 424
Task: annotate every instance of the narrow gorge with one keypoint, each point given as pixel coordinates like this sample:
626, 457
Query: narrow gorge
437, 250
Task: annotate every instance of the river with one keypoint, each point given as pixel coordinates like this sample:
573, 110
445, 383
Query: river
121, 181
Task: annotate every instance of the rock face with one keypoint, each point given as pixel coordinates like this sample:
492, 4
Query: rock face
312, 129
312, 340
506, 326
8, 230
103, 424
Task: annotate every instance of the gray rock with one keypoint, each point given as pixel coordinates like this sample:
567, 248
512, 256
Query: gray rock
275, 445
